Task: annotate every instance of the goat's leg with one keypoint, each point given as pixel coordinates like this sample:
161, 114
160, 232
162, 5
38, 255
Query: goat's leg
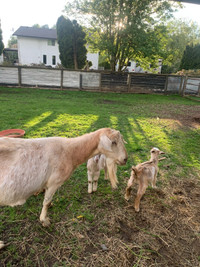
106, 177
95, 181
90, 181
141, 190
129, 187
153, 184
46, 203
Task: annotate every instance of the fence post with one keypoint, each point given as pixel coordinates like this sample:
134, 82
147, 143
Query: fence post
181, 84
198, 94
80, 81
100, 81
129, 82
184, 85
61, 81
19, 76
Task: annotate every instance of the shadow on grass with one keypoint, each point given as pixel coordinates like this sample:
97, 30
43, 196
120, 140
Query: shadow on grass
62, 113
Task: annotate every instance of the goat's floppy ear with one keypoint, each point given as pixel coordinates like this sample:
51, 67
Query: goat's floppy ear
105, 143
117, 135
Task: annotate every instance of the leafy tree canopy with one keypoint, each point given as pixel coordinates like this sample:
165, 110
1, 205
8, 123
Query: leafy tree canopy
178, 34
46, 26
124, 29
12, 41
191, 57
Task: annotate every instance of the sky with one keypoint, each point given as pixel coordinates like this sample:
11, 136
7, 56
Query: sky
16, 13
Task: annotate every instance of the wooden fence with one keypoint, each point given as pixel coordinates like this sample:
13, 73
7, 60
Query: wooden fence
98, 81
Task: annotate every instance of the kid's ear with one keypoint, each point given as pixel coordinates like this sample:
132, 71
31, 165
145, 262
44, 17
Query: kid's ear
124, 141
105, 143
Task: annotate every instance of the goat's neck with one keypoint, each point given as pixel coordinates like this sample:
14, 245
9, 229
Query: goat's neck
154, 159
84, 147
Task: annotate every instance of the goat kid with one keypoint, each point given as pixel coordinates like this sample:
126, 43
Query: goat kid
30, 165
94, 167
143, 174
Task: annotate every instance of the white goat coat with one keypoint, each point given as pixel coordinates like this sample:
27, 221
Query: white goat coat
95, 166
26, 166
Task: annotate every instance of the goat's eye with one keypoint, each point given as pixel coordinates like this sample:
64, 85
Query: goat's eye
114, 143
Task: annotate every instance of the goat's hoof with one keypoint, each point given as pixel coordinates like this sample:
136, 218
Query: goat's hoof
2, 245
114, 186
137, 209
46, 222
89, 191
127, 197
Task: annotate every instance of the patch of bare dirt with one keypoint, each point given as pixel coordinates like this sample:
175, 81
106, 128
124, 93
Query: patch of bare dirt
166, 232
182, 115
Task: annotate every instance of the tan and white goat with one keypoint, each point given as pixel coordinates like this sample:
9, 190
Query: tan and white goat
143, 174
29, 166
94, 167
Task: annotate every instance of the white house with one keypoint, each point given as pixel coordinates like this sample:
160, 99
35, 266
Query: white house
39, 45
134, 67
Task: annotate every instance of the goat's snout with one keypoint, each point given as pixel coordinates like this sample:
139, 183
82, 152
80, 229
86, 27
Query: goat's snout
125, 160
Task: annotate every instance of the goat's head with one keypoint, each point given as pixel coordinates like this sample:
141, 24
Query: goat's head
155, 152
96, 158
112, 145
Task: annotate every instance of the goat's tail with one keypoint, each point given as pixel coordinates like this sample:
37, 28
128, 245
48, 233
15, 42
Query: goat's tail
133, 177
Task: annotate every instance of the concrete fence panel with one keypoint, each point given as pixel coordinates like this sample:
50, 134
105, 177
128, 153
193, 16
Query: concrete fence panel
91, 80
40, 77
71, 79
8, 75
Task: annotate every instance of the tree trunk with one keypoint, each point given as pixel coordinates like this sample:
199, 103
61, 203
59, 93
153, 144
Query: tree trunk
75, 61
113, 63
75, 52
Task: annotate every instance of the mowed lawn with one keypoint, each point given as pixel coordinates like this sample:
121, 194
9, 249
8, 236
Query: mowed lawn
102, 229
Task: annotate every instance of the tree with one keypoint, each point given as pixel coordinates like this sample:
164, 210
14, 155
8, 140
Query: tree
1, 42
191, 58
178, 35
45, 26
124, 29
12, 42
71, 41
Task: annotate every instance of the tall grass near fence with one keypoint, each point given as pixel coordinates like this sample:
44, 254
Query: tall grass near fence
170, 123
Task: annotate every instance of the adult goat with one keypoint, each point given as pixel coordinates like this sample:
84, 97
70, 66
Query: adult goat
29, 166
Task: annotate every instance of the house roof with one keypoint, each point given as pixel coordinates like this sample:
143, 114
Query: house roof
36, 32
189, 1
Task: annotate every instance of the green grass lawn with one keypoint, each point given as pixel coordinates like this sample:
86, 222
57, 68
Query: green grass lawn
171, 123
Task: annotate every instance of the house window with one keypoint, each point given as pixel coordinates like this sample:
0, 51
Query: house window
129, 64
51, 42
53, 60
45, 59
